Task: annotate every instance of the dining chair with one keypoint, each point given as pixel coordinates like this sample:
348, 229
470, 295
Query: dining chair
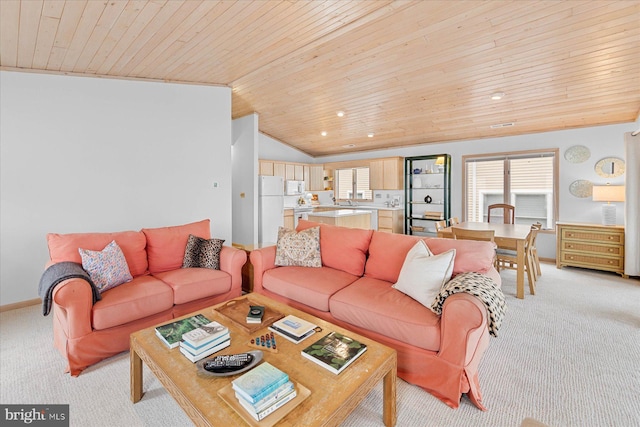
454, 220
507, 259
464, 234
508, 212
440, 225
534, 251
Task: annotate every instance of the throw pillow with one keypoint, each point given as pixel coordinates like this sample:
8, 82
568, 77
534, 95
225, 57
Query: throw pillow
300, 249
107, 268
202, 253
423, 274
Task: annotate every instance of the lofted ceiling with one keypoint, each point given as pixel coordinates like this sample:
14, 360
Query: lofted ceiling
410, 72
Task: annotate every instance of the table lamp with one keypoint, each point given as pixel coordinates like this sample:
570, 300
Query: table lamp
608, 193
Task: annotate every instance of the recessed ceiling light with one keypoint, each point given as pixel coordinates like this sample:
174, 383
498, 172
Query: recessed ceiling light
497, 96
340, 113
370, 134
502, 125
323, 133
349, 146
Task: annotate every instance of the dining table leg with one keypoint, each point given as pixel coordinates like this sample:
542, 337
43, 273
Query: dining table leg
520, 269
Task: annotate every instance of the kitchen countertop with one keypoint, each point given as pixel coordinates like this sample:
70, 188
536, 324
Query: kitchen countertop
340, 213
377, 207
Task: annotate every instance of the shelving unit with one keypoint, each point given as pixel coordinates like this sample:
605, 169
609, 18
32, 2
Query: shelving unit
427, 192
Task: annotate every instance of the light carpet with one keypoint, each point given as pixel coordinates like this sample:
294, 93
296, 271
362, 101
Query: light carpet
568, 356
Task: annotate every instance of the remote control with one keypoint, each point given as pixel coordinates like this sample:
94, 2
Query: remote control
228, 363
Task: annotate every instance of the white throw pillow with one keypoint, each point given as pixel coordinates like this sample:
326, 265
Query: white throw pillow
423, 274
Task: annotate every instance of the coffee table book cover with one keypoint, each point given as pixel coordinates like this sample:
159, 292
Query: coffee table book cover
334, 351
259, 382
204, 334
171, 333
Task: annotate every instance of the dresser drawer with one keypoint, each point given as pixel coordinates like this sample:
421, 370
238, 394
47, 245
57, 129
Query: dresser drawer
591, 261
592, 248
385, 222
586, 235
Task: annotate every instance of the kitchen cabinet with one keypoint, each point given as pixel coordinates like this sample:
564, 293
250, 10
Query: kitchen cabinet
386, 174
593, 246
427, 192
288, 219
351, 218
279, 169
390, 221
298, 173
266, 168
316, 178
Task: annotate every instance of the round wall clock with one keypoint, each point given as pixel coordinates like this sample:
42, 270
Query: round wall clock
610, 167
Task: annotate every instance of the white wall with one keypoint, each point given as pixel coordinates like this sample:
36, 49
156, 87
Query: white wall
245, 180
272, 149
95, 155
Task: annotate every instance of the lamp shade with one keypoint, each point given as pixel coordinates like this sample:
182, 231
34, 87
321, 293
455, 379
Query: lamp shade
440, 161
608, 193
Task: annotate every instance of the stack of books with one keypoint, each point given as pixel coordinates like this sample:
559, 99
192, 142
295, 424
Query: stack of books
293, 328
255, 314
334, 351
204, 341
171, 333
262, 390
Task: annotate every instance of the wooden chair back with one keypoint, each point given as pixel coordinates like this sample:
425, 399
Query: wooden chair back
508, 212
440, 225
464, 234
454, 220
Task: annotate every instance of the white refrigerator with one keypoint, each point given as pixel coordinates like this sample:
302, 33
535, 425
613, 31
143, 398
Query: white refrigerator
270, 207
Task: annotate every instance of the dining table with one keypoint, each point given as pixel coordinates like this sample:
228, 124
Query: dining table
506, 236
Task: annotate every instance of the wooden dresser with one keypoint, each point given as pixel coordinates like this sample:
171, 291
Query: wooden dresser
594, 246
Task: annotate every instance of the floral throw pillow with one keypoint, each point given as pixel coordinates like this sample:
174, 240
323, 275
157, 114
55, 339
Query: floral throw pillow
107, 268
300, 249
202, 253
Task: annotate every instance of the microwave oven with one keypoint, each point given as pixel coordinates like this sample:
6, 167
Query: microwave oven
294, 188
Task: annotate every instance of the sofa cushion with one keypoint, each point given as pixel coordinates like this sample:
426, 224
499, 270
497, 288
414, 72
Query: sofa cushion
471, 255
374, 305
202, 253
386, 255
143, 296
166, 245
190, 284
307, 285
423, 273
107, 268
301, 249
64, 247
340, 247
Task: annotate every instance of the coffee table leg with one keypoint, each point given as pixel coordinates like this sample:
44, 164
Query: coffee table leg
136, 376
389, 415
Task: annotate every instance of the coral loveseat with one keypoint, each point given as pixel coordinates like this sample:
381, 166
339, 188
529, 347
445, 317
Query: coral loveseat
86, 333
353, 289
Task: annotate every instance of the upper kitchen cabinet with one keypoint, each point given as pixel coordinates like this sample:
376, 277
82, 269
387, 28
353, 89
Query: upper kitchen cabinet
316, 178
427, 192
386, 174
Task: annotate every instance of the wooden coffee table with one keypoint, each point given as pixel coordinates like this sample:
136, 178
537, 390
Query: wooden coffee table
333, 397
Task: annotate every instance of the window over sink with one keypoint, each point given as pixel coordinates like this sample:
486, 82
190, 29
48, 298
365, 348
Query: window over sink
353, 184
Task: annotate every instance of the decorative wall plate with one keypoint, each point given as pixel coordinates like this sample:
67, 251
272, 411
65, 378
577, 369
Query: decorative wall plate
581, 188
610, 167
577, 154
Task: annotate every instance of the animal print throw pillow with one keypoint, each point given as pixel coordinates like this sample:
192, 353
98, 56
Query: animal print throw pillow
202, 253
300, 249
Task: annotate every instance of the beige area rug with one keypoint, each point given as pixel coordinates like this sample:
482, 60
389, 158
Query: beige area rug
568, 356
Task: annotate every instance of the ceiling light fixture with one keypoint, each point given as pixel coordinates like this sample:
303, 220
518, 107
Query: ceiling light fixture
323, 133
502, 125
497, 96
370, 134
340, 113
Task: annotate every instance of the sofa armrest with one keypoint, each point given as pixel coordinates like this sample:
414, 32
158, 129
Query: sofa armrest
72, 306
262, 259
231, 261
462, 326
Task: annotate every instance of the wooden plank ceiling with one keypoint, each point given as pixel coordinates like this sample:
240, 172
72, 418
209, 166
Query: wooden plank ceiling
410, 72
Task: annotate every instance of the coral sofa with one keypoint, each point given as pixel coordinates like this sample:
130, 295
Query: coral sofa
353, 289
86, 333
